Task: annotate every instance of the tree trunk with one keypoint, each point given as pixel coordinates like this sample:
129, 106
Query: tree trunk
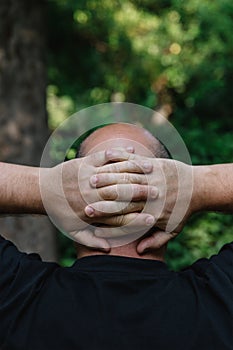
23, 119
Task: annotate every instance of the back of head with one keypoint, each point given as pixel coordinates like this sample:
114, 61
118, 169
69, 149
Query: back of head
118, 131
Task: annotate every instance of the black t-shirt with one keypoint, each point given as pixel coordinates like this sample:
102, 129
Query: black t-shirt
111, 302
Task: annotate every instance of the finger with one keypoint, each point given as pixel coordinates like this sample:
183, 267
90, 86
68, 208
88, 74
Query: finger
155, 241
108, 179
130, 166
119, 154
87, 238
124, 224
100, 158
128, 192
110, 208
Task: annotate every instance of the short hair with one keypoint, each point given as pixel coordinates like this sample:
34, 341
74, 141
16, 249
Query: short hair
158, 149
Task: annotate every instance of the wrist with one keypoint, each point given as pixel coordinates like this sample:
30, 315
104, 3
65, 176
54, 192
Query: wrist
204, 184
26, 196
32, 180
199, 188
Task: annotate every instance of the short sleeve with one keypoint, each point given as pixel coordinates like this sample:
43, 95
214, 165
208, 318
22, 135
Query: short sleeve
217, 274
224, 260
221, 263
21, 278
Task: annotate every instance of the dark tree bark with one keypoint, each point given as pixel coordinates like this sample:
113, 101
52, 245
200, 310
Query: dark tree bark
23, 119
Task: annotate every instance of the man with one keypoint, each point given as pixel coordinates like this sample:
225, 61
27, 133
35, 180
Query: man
124, 297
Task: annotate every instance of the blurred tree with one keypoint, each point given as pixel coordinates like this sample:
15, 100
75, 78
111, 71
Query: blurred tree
23, 129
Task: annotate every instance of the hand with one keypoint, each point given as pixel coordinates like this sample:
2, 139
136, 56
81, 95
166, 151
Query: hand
174, 203
66, 191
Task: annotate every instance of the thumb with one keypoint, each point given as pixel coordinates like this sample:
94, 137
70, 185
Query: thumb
155, 241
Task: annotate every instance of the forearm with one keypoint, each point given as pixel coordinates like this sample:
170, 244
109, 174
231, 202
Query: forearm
213, 188
20, 190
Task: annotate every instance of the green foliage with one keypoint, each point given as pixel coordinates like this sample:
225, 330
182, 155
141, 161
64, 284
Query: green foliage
202, 237
170, 54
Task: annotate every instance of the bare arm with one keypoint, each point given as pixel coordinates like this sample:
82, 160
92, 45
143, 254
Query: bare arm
62, 192
19, 190
213, 188
212, 191
197, 188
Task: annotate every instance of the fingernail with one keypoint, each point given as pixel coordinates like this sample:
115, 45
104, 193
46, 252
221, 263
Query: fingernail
149, 220
94, 179
154, 193
130, 149
89, 211
105, 249
143, 250
109, 153
146, 165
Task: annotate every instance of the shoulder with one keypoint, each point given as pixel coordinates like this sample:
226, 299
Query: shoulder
221, 263
18, 269
213, 277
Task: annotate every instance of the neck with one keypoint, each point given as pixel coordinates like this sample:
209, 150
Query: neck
128, 250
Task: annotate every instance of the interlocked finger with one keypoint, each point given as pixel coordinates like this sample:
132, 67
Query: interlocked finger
107, 179
132, 166
112, 155
87, 237
125, 224
128, 192
109, 208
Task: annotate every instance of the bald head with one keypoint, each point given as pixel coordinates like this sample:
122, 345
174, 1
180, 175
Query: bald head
123, 135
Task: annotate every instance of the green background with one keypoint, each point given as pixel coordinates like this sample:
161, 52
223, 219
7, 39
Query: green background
171, 55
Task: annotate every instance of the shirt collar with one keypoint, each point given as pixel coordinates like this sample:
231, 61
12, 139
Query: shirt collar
120, 264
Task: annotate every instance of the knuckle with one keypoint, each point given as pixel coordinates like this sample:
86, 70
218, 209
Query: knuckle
140, 191
102, 179
108, 193
138, 179
131, 157
114, 168
135, 166
126, 178
93, 157
120, 220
